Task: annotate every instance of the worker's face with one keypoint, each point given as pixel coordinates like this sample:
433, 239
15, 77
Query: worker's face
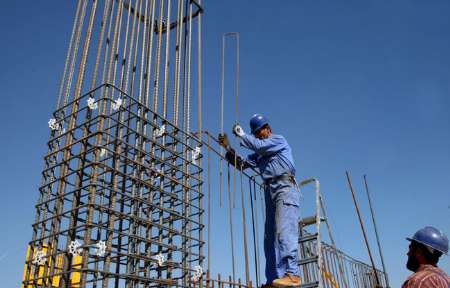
413, 261
264, 132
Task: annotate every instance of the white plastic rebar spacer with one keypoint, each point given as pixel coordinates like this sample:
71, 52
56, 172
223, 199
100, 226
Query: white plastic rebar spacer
160, 258
198, 273
39, 257
75, 248
103, 152
92, 104
196, 155
100, 248
156, 178
160, 132
52, 124
116, 105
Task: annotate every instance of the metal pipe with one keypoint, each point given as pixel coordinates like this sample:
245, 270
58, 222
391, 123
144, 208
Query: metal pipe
362, 226
372, 213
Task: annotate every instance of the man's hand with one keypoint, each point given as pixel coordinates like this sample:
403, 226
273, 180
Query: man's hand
223, 141
235, 159
238, 131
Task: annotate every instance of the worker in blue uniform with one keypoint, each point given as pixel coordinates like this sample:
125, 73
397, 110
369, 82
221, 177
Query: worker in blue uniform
272, 156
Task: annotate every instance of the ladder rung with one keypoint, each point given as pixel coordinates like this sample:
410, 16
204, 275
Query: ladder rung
307, 260
309, 220
310, 285
307, 238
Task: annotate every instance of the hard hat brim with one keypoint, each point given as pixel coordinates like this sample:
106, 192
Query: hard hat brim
260, 127
411, 239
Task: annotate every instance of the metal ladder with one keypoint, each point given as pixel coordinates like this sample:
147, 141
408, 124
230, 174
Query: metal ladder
313, 270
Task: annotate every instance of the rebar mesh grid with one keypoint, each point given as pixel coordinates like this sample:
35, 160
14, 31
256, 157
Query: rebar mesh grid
119, 186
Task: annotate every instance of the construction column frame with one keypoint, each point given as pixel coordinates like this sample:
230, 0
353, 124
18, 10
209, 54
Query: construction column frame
120, 201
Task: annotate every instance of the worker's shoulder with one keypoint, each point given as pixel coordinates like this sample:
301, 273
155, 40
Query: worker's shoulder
427, 278
277, 137
280, 140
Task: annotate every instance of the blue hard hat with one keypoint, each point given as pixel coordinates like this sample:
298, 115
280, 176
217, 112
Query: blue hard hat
257, 122
431, 237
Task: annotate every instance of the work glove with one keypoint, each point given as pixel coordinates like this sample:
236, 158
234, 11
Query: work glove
238, 131
223, 141
233, 158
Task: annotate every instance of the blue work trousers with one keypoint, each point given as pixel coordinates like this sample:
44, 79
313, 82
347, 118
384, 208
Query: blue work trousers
281, 229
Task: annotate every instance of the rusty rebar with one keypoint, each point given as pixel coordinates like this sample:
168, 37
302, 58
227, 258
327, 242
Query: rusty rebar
362, 227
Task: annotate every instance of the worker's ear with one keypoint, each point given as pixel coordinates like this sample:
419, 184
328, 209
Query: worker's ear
419, 253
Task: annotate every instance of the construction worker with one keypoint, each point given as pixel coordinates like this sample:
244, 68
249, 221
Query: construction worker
273, 157
426, 246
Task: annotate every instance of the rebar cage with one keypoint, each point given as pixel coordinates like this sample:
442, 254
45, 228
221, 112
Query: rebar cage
120, 200
126, 180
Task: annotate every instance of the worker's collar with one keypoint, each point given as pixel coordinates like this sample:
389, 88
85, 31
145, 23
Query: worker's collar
423, 267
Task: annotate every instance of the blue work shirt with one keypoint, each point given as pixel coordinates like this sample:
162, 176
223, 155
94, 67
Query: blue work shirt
272, 156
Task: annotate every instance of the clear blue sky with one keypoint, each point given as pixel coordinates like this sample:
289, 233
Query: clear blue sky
353, 85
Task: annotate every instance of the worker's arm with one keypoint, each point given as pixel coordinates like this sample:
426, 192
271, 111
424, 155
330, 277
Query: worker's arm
252, 160
231, 155
233, 158
262, 147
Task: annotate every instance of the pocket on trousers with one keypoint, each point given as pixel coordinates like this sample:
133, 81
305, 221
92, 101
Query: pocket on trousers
291, 202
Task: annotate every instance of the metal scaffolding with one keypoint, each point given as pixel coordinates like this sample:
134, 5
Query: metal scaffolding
121, 202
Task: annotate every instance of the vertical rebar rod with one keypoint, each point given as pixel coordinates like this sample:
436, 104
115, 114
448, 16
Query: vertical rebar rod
166, 60
238, 74
142, 96
230, 219
200, 118
137, 9
176, 92
222, 97
69, 53
244, 227
158, 56
132, 66
254, 223
362, 226
155, 109
209, 201
187, 121
319, 237
108, 50
178, 56
115, 163
107, 11
188, 60
372, 212
222, 94
185, 196
75, 52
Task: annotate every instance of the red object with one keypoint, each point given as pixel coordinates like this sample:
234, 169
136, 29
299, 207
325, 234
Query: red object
428, 276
